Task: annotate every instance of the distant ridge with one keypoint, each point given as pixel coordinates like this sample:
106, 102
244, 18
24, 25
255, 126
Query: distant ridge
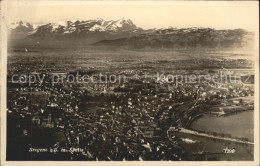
188, 37
124, 33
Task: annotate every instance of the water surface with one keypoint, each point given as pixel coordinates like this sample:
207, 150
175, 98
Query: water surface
239, 125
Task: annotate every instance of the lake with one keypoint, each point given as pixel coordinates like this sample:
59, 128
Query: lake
239, 125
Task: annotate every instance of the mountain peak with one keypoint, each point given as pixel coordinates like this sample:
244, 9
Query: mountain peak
76, 26
120, 25
14, 25
110, 31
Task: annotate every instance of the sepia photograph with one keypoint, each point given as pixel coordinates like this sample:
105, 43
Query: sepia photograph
137, 82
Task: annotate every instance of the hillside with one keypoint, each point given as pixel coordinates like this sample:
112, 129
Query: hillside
123, 33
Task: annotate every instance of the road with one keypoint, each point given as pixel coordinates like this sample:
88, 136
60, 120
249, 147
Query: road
187, 131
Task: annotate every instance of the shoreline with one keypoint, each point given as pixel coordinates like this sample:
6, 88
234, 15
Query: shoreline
221, 116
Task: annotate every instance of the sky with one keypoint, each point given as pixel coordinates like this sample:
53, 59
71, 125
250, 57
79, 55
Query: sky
145, 14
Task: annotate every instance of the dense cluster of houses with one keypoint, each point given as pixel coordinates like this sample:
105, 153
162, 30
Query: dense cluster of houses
120, 121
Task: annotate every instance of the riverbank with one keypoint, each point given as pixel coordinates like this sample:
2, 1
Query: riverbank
199, 134
202, 148
240, 125
208, 135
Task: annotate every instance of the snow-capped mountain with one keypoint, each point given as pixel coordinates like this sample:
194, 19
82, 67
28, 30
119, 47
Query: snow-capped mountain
20, 24
20, 29
69, 27
123, 32
119, 25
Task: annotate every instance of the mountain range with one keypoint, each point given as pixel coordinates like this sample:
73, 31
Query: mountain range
124, 33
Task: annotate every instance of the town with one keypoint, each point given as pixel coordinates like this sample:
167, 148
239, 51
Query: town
117, 120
